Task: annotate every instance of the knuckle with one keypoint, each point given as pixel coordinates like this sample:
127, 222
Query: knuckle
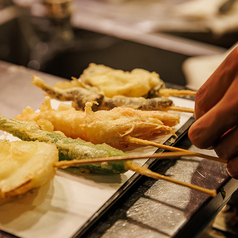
221, 152
232, 167
195, 136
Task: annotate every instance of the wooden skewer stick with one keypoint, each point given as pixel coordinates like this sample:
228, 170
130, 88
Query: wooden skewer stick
139, 169
180, 109
75, 162
167, 92
149, 173
171, 148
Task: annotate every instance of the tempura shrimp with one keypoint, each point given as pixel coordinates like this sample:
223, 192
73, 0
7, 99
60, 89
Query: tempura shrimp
103, 126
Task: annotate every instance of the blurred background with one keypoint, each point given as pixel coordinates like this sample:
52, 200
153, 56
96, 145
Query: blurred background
62, 37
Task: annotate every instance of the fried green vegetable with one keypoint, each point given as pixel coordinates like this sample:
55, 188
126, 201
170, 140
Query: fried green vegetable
68, 148
79, 96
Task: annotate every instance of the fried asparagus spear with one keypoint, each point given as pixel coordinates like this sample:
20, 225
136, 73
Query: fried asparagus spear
68, 148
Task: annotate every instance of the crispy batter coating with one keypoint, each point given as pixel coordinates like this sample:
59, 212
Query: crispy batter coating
140, 103
112, 82
103, 126
25, 166
68, 148
80, 95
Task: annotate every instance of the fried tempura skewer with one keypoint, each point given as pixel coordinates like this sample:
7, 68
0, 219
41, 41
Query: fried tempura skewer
136, 83
113, 82
80, 95
32, 164
142, 170
103, 126
70, 149
138, 141
166, 155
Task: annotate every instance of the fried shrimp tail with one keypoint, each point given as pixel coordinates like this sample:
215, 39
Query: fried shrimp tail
103, 126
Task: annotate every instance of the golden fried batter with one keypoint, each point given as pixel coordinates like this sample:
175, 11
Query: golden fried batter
103, 126
112, 82
25, 165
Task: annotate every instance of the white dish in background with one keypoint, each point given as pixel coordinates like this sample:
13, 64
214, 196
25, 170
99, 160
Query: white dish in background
199, 68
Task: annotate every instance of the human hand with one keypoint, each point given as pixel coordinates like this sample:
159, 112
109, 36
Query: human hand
216, 113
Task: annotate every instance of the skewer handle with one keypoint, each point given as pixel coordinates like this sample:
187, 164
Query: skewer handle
171, 148
139, 169
170, 155
180, 109
149, 173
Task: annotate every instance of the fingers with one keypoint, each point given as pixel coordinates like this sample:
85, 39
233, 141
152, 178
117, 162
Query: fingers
216, 113
232, 167
215, 87
209, 128
227, 148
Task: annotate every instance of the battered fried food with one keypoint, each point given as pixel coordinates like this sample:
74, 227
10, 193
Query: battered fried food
112, 82
82, 94
140, 103
68, 148
25, 166
137, 83
103, 126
